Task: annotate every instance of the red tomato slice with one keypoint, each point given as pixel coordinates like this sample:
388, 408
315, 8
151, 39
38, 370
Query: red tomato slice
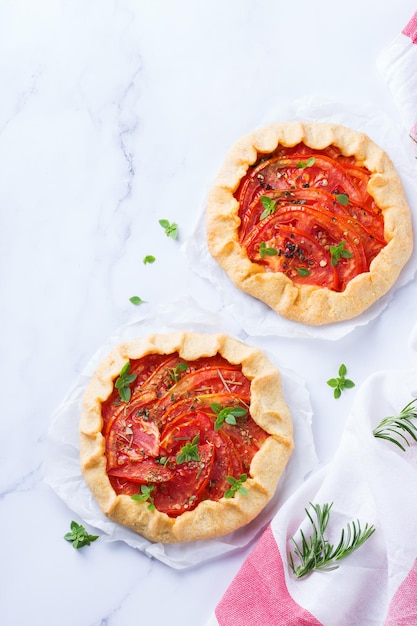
226, 463
201, 382
131, 438
323, 196
305, 244
182, 492
247, 438
163, 416
143, 472
200, 403
226, 460
283, 173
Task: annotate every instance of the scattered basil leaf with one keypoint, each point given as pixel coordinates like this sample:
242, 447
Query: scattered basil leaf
340, 383
303, 271
189, 452
342, 199
269, 206
265, 251
136, 300
78, 536
236, 486
226, 414
149, 259
308, 163
174, 371
339, 252
171, 229
123, 382
145, 495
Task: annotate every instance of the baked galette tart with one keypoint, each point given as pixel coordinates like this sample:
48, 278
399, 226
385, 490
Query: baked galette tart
184, 436
311, 219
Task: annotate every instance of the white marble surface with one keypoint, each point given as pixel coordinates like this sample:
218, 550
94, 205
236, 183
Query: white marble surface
114, 115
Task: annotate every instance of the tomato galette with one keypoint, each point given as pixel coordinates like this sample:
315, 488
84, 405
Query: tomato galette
184, 436
310, 218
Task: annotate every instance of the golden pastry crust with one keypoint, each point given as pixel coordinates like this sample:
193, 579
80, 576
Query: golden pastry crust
210, 518
310, 304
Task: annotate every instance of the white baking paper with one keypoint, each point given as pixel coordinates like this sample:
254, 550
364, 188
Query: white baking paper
62, 467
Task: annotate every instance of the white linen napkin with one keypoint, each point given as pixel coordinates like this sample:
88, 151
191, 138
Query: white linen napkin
398, 66
370, 480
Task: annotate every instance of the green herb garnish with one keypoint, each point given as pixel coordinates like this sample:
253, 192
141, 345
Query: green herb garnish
308, 163
174, 371
136, 300
316, 553
303, 271
236, 486
149, 259
269, 206
78, 536
145, 495
342, 198
340, 383
171, 229
189, 452
226, 414
124, 381
393, 428
339, 252
265, 251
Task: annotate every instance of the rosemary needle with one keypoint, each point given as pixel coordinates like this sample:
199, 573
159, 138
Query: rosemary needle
316, 553
397, 427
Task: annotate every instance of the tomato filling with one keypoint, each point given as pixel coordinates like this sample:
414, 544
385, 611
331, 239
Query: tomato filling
184, 430
307, 213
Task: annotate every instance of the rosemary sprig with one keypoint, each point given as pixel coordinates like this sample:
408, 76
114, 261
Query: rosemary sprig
392, 428
316, 553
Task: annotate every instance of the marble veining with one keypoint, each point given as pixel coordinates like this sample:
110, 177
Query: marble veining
114, 115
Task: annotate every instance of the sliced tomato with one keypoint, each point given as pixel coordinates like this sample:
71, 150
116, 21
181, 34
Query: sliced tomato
314, 192
143, 472
305, 244
247, 437
205, 381
130, 438
183, 492
211, 379
226, 463
145, 436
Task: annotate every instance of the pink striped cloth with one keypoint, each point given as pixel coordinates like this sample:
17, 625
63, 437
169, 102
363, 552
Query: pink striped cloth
368, 479
398, 65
